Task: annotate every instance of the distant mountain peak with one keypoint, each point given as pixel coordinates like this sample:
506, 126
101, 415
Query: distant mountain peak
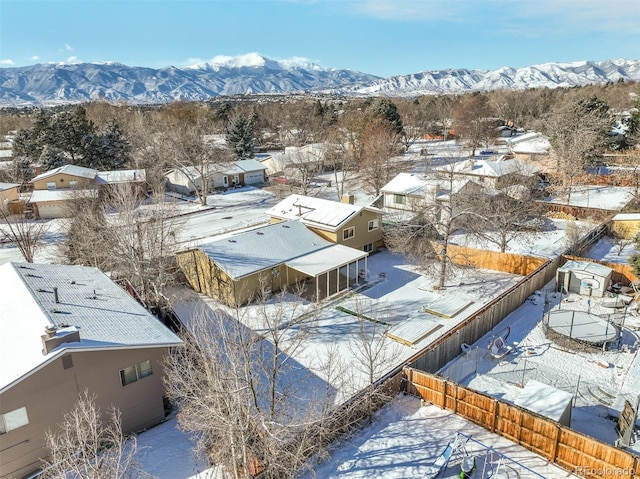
50, 84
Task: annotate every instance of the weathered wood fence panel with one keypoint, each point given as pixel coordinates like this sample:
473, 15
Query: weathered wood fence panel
569, 449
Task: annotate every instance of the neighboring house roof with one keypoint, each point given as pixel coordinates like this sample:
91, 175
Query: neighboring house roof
43, 196
587, 266
408, 184
317, 212
71, 170
249, 165
326, 259
618, 217
8, 186
106, 317
262, 248
491, 169
6, 153
531, 143
120, 176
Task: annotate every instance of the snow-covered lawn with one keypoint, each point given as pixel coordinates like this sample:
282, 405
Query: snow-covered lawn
600, 197
405, 438
611, 250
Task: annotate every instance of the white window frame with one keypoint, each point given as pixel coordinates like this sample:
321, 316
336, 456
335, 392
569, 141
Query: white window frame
13, 420
140, 370
368, 248
51, 185
397, 197
73, 183
348, 233
373, 225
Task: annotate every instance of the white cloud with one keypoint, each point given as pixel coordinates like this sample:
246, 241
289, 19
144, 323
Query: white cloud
566, 16
70, 61
412, 10
68, 47
34, 58
8, 61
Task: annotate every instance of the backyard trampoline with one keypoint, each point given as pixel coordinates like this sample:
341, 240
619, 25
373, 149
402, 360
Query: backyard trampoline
582, 327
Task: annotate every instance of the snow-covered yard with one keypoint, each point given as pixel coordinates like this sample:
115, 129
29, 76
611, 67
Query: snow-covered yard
405, 439
595, 377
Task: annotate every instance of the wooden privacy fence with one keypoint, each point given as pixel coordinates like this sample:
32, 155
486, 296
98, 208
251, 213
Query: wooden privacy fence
446, 347
559, 444
506, 262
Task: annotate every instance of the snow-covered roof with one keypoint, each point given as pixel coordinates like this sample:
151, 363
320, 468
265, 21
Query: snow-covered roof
105, 316
326, 259
249, 165
618, 217
8, 186
494, 169
72, 170
262, 248
514, 140
325, 214
43, 196
120, 176
6, 153
587, 266
408, 184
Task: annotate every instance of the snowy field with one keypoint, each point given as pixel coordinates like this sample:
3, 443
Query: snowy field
611, 250
404, 440
600, 197
595, 377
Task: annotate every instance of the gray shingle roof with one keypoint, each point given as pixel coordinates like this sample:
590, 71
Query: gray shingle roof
262, 248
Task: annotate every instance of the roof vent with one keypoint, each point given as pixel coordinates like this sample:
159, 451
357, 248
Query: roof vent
259, 233
231, 241
285, 226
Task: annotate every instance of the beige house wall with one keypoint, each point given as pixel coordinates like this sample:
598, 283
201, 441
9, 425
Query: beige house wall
626, 228
7, 195
52, 391
362, 234
61, 180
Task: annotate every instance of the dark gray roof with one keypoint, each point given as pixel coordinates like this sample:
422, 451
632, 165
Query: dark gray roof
262, 248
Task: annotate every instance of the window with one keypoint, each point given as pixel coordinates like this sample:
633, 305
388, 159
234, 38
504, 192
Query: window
13, 420
373, 225
400, 199
348, 233
51, 185
368, 248
73, 183
136, 372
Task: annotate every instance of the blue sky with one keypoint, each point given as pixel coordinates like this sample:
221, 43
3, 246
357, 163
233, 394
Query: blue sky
381, 37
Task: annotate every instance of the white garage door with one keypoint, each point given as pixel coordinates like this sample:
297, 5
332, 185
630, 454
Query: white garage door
55, 210
253, 178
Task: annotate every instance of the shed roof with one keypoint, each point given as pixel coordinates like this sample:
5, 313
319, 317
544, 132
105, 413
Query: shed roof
8, 186
587, 266
252, 251
105, 315
620, 216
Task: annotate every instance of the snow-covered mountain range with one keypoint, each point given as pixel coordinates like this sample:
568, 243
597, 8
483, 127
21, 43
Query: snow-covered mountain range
47, 84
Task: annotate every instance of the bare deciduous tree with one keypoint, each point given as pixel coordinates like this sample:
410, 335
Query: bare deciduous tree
26, 234
87, 445
380, 144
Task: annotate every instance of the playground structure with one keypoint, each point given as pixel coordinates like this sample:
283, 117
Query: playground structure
465, 457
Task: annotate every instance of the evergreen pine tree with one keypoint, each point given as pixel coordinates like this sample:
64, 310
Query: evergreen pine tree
240, 136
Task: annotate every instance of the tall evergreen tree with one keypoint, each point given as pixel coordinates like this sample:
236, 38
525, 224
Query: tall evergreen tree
386, 110
240, 137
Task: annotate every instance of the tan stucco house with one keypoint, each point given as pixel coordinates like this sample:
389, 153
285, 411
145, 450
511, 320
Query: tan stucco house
187, 180
239, 269
358, 227
55, 191
8, 193
626, 225
66, 329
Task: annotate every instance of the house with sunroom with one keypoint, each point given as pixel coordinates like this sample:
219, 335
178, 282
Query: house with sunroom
282, 256
343, 223
67, 329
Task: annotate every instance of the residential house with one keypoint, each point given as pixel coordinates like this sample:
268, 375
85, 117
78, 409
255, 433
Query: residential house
531, 146
67, 329
8, 193
187, 180
358, 227
243, 267
55, 191
294, 161
626, 225
408, 192
498, 174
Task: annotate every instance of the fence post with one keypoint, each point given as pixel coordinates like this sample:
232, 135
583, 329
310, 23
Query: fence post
495, 415
444, 394
455, 399
554, 450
